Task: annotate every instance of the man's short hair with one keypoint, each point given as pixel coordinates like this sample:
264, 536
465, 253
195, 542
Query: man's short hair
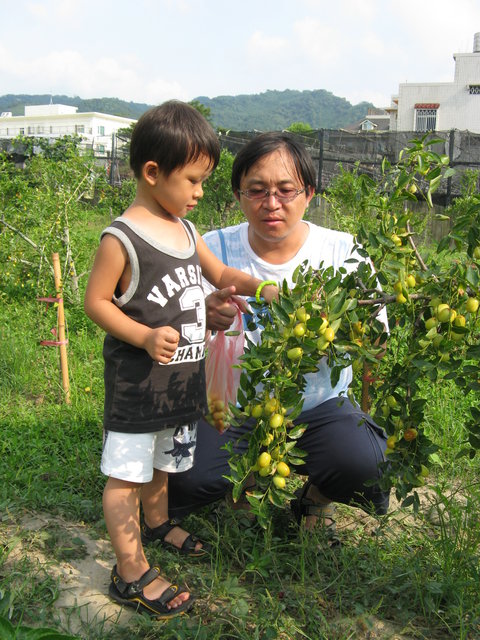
266, 143
172, 135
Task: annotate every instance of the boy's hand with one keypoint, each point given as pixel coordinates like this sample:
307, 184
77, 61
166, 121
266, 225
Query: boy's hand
220, 310
161, 344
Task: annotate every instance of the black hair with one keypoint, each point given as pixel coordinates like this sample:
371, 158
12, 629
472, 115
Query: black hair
172, 135
266, 143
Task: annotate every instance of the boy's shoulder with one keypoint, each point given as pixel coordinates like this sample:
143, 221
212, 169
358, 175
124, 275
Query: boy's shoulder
145, 227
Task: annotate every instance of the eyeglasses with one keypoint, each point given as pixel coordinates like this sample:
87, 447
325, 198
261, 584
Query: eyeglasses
282, 195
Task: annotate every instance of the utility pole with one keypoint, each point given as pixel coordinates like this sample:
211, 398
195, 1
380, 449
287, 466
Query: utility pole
113, 161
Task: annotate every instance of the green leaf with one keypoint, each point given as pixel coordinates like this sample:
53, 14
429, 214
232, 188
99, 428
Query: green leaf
296, 461
280, 313
275, 497
473, 352
296, 411
296, 432
332, 284
7, 632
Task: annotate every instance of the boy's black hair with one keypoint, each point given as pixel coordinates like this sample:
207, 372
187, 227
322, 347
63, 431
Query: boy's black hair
266, 143
172, 135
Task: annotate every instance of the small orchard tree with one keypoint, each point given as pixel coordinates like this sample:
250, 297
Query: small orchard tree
434, 334
41, 206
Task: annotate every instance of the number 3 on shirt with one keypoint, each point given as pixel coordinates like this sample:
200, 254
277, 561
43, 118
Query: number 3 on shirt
194, 298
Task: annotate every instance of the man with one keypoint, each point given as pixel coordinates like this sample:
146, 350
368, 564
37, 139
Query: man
274, 181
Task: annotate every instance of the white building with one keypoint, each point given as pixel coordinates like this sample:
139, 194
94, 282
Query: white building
441, 106
58, 120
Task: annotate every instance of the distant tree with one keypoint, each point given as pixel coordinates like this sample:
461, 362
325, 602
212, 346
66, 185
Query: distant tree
125, 133
299, 127
205, 111
218, 207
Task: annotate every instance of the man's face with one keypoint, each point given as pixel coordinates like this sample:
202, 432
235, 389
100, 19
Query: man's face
270, 220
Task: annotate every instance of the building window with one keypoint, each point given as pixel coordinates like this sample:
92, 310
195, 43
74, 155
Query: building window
101, 148
474, 89
79, 128
426, 117
30, 131
22, 131
101, 130
367, 125
39, 129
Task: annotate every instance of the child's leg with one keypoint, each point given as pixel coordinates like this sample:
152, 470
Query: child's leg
121, 506
154, 496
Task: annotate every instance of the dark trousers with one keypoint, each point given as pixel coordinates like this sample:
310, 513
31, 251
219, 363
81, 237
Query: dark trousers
344, 447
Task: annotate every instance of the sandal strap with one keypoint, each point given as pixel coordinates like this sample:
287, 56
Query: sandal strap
305, 506
162, 530
190, 542
170, 593
134, 588
310, 508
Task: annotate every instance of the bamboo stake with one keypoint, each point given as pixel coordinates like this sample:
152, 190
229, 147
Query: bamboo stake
61, 327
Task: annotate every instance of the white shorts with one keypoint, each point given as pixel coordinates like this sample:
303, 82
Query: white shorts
133, 456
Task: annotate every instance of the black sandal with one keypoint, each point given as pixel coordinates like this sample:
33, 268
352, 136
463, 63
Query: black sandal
131, 595
157, 536
304, 506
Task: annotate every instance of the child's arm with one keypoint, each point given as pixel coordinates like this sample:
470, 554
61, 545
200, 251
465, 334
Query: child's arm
222, 276
109, 265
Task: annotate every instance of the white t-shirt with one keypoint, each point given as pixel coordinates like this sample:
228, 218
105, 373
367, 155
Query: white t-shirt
332, 248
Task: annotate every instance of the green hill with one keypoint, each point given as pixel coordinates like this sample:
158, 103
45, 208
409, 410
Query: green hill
113, 106
278, 109
272, 110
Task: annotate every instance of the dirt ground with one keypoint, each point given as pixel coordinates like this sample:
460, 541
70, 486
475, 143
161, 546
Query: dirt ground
84, 577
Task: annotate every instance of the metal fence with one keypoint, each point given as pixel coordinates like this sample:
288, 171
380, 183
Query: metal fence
332, 149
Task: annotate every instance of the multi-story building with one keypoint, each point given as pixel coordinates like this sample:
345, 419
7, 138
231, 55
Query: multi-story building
57, 120
441, 106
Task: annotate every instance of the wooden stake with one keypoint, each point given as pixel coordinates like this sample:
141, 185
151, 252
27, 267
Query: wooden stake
61, 327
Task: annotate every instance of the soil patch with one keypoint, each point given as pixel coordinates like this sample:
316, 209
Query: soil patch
81, 562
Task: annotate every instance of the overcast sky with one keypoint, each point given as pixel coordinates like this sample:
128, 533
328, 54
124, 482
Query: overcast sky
153, 50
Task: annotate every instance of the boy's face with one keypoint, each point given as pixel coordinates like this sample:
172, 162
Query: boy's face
179, 192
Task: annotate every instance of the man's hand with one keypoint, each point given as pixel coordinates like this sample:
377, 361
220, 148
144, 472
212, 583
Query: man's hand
221, 310
269, 293
161, 344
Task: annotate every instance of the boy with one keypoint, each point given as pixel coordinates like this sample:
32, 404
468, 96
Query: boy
145, 292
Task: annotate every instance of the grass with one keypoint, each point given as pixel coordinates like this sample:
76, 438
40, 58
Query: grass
393, 577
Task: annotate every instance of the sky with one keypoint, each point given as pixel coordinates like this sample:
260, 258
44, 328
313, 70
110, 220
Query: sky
149, 51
